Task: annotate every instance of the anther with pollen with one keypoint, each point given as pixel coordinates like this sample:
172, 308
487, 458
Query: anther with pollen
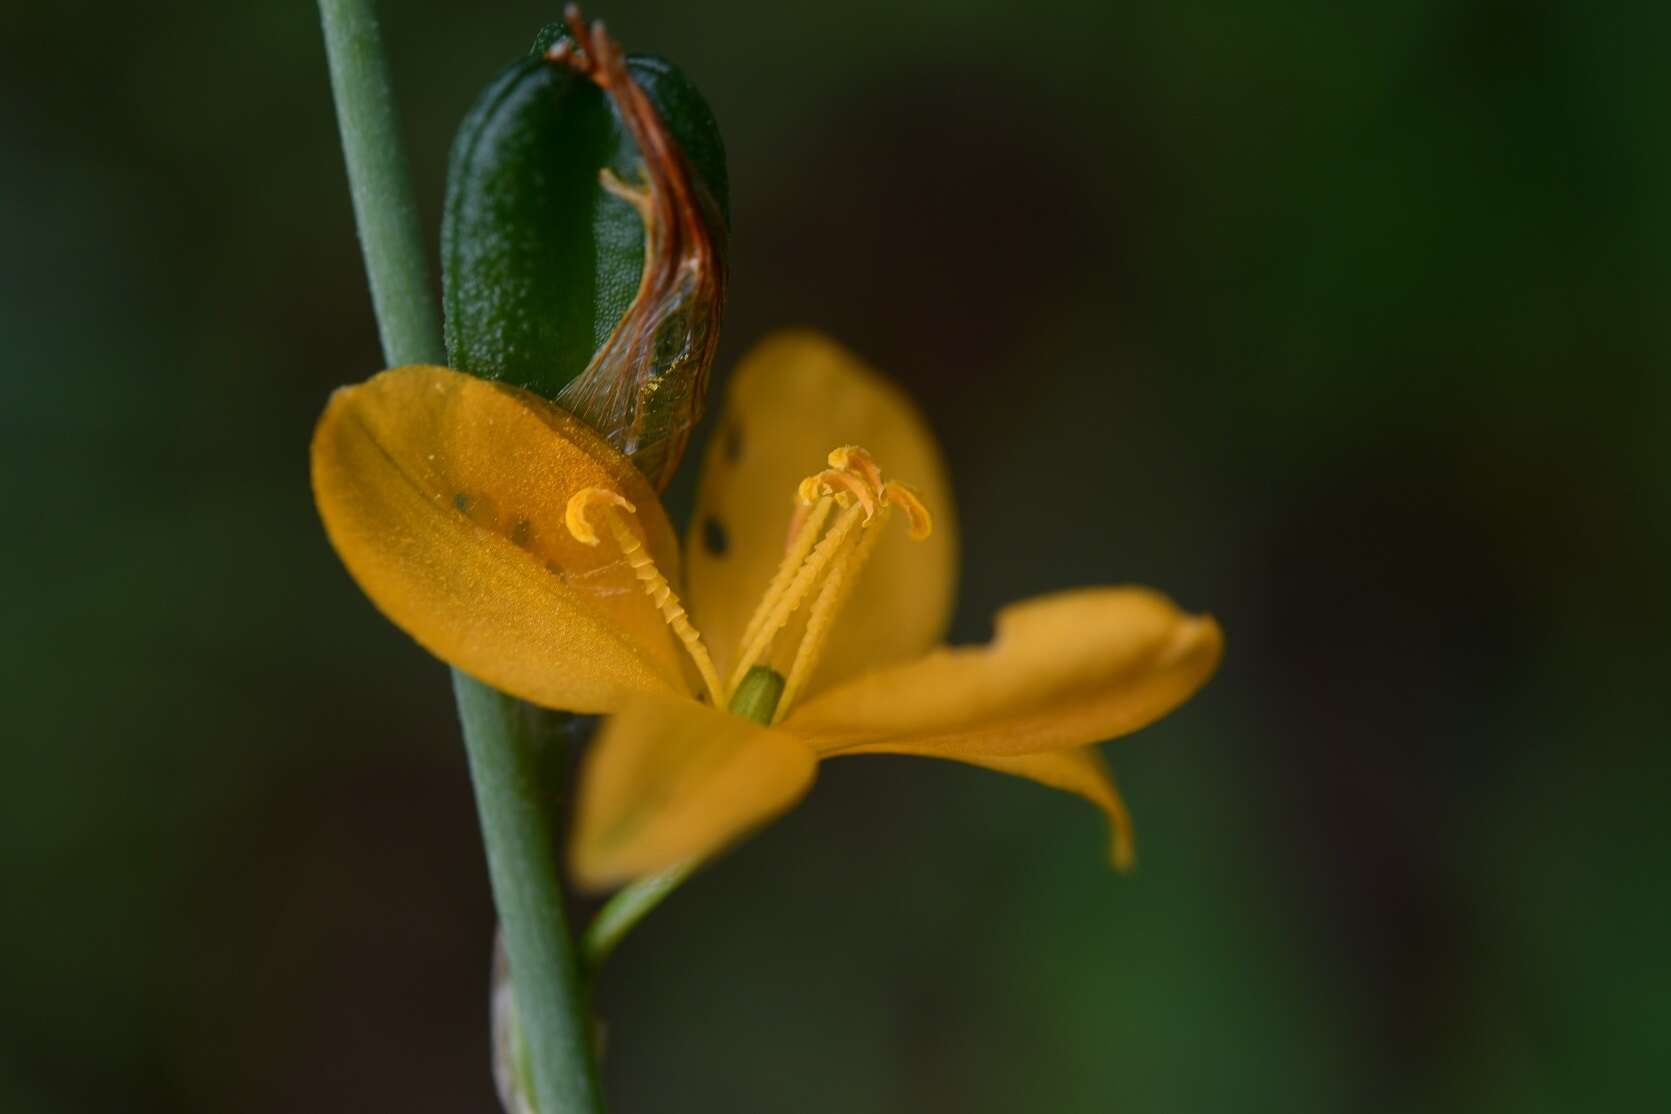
837, 524
609, 504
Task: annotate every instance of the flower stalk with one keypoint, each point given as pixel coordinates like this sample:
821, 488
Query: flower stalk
500, 736
516, 823
380, 182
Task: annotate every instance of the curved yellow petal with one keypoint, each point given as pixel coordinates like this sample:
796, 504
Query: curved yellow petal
794, 398
444, 495
1080, 770
1061, 671
670, 780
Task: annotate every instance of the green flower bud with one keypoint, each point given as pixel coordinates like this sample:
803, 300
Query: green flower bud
583, 241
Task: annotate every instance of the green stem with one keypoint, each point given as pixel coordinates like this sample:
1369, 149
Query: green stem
501, 737
631, 904
498, 735
380, 181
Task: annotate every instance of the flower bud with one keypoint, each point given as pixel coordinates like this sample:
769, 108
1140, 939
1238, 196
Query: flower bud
583, 240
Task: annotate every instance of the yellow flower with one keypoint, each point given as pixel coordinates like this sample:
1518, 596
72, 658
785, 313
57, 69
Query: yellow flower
511, 541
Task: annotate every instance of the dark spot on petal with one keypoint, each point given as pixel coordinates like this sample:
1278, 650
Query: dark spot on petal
714, 539
521, 532
733, 443
462, 502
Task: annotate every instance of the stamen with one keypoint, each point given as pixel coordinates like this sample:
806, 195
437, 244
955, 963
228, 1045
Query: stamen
798, 519
644, 568
844, 572
801, 538
845, 486
574, 515
897, 494
838, 585
852, 458
799, 588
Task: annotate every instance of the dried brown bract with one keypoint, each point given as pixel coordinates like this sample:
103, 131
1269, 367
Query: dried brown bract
643, 388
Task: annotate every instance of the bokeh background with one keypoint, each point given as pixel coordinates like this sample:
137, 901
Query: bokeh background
1344, 322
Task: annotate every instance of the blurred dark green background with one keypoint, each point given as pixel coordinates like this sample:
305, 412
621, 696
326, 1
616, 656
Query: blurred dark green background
1346, 323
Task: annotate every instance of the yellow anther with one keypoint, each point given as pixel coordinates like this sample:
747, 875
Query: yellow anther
852, 458
643, 567
845, 486
811, 489
574, 515
820, 572
896, 494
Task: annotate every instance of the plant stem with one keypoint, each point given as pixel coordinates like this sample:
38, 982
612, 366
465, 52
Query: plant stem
631, 904
500, 736
498, 732
380, 181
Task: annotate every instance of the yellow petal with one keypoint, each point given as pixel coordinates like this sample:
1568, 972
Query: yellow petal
795, 397
671, 780
1061, 671
444, 495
